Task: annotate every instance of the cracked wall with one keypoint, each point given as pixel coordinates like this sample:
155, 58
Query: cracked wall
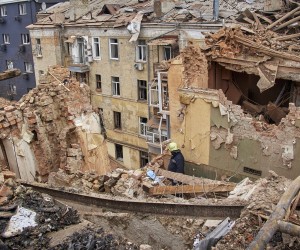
213, 132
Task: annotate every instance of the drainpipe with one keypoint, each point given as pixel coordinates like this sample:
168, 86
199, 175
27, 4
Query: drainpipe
216, 9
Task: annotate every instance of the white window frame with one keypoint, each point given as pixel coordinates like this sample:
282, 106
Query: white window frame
22, 9
25, 38
115, 82
142, 126
96, 48
9, 64
3, 10
141, 51
113, 44
28, 67
38, 47
165, 55
6, 39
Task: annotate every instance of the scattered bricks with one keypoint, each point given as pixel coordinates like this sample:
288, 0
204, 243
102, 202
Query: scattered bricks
87, 184
12, 118
96, 187
75, 145
31, 121
74, 152
3, 201
5, 124
31, 100
13, 122
137, 174
1, 126
5, 191
8, 174
52, 93
9, 114
1, 118
9, 108
71, 117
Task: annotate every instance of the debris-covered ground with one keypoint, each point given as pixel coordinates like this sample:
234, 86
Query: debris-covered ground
262, 202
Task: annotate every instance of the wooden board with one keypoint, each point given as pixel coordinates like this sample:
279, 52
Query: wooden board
189, 189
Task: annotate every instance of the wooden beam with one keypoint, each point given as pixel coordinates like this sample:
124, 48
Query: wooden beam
266, 50
283, 18
189, 189
9, 74
287, 37
187, 179
288, 228
288, 23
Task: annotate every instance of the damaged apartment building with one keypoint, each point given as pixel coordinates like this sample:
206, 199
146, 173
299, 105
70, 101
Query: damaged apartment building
221, 83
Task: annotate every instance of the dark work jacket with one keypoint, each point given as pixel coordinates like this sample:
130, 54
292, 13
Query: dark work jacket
176, 162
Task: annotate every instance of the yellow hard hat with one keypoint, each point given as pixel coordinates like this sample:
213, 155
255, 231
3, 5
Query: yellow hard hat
173, 146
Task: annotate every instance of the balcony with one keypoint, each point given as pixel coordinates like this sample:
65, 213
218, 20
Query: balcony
79, 64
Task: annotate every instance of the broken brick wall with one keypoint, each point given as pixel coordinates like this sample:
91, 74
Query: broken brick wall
53, 127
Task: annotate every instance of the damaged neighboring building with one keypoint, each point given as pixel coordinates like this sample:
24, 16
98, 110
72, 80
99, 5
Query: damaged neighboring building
52, 127
234, 99
117, 49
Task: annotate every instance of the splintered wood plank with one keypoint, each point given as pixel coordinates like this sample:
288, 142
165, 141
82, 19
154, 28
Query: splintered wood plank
189, 189
187, 179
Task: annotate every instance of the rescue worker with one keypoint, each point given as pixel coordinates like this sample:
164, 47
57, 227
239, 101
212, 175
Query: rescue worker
176, 163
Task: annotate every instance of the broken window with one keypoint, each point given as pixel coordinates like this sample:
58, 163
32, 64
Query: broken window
96, 47
98, 83
167, 53
38, 47
3, 11
119, 152
22, 9
142, 89
143, 159
142, 125
9, 64
25, 38
6, 39
113, 49
80, 53
115, 81
28, 67
117, 120
141, 51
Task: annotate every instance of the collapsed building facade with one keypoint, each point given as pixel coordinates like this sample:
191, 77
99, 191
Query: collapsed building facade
226, 94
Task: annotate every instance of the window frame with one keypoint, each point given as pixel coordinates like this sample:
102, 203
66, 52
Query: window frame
22, 9
117, 120
96, 48
142, 126
111, 43
143, 159
171, 53
119, 152
25, 39
115, 83
3, 11
9, 64
141, 51
141, 89
6, 38
28, 67
38, 47
98, 82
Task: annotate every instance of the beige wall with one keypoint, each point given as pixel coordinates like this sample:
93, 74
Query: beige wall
51, 50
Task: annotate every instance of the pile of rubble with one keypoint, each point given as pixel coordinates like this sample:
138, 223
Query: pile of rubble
262, 196
50, 127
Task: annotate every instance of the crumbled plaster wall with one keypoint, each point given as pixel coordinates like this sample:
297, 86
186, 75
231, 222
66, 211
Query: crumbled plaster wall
277, 142
53, 127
